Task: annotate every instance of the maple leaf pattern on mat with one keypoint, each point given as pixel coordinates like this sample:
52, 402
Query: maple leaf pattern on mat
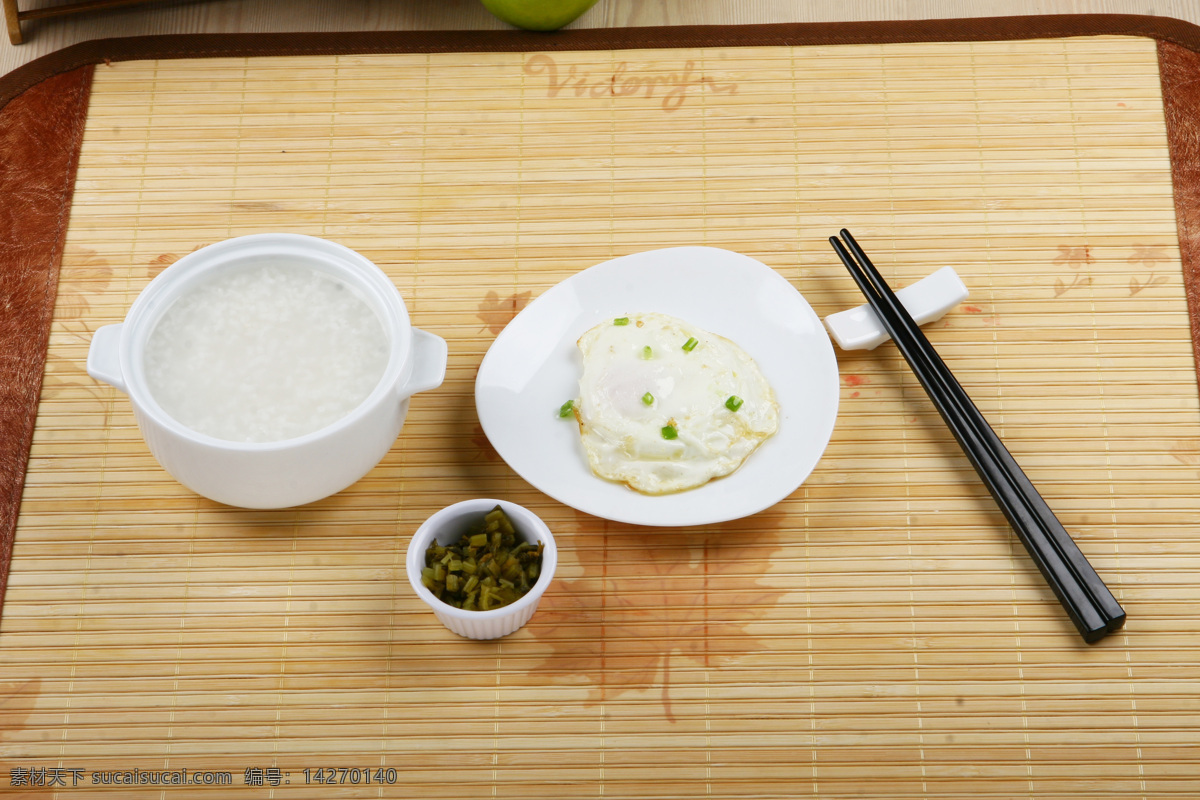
496, 312
1186, 453
651, 601
483, 445
85, 276
18, 700
161, 262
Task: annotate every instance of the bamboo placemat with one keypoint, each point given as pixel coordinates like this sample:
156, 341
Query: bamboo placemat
880, 633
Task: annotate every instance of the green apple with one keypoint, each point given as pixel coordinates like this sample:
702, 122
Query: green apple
538, 15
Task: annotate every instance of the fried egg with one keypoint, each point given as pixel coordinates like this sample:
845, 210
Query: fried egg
664, 406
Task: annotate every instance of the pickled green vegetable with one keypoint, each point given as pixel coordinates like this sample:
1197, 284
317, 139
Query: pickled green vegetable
488, 567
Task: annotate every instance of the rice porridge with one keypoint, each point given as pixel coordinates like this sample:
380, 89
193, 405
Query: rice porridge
266, 353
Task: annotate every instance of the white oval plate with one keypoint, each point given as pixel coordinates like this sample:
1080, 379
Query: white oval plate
533, 367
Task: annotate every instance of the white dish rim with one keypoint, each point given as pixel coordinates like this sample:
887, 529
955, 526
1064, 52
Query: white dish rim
533, 366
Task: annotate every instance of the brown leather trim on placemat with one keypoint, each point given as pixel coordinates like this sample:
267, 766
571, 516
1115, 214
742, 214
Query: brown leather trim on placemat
43, 107
1179, 71
40, 135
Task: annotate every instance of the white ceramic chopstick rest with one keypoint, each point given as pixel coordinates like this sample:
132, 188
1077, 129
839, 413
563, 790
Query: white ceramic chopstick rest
926, 300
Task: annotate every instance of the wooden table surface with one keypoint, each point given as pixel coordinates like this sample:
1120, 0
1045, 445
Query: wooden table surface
231, 16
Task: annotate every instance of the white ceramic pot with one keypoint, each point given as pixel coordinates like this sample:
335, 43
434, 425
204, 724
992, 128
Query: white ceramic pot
293, 471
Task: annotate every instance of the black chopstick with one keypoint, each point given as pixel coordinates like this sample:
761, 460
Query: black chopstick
1088, 602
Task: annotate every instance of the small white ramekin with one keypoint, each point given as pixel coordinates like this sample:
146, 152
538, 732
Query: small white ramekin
446, 526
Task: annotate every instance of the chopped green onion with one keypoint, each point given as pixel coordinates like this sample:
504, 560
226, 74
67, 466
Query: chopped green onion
566, 408
669, 432
648, 399
621, 321
690, 344
647, 352
734, 402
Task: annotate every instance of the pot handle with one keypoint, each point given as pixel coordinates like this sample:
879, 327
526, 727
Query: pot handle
103, 359
429, 354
